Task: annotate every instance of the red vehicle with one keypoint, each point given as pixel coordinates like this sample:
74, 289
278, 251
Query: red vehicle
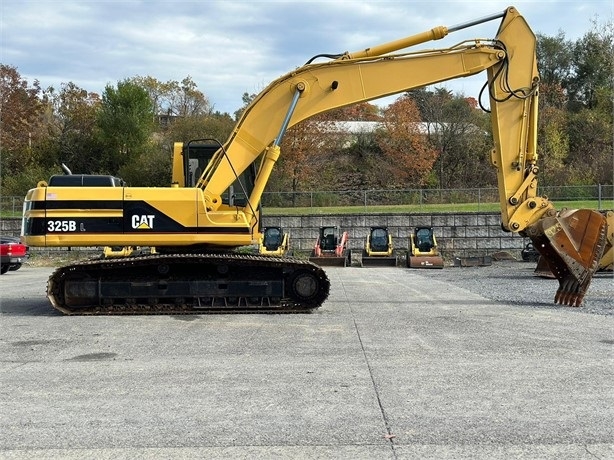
331, 248
12, 254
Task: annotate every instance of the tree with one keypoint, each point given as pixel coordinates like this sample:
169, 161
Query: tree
363, 111
186, 100
460, 134
593, 67
307, 155
215, 126
20, 124
553, 145
361, 163
576, 107
125, 123
72, 126
554, 58
408, 157
247, 100
591, 152
554, 61
173, 98
149, 169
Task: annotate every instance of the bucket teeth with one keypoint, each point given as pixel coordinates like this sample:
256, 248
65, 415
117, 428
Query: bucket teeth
570, 292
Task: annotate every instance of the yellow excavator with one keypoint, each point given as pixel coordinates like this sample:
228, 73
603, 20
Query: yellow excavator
195, 229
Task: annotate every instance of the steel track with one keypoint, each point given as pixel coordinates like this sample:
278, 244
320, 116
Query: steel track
181, 284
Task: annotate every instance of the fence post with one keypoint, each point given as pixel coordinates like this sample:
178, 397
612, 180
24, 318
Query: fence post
365, 199
479, 198
599, 197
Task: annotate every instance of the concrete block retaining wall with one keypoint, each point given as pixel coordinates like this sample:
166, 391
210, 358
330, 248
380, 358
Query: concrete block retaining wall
458, 234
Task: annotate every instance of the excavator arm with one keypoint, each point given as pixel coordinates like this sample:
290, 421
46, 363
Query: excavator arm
198, 217
572, 241
351, 78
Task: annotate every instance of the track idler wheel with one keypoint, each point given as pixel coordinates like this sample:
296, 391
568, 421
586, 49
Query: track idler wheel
308, 287
571, 243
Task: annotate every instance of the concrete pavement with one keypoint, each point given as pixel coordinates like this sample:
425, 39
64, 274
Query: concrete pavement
395, 365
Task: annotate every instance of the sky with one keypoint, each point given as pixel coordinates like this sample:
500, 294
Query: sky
232, 47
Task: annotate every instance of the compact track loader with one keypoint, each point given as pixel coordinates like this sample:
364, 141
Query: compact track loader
274, 242
423, 252
379, 250
331, 248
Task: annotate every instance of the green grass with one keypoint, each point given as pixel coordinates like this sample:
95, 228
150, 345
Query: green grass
9, 215
430, 209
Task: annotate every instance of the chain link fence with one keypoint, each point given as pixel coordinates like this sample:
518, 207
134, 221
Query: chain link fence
603, 195
11, 206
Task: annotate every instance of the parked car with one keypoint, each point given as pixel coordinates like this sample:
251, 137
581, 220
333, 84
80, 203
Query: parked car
13, 254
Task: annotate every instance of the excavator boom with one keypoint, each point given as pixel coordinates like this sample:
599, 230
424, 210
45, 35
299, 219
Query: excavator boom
187, 223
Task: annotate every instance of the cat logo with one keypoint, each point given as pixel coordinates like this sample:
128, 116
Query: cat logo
143, 222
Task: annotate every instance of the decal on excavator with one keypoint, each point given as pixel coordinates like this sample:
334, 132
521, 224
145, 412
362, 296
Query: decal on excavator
143, 222
61, 226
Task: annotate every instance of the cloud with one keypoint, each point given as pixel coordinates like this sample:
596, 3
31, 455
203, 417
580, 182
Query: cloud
231, 47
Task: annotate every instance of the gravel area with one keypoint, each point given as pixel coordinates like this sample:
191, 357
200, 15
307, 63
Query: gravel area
513, 282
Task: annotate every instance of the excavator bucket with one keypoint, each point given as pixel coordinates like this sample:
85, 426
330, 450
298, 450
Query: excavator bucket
543, 269
571, 243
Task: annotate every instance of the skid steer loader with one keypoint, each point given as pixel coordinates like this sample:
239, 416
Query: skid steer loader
423, 252
331, 248
379, 250
274, 242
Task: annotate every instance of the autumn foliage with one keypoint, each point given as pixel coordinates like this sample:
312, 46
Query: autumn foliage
406, 153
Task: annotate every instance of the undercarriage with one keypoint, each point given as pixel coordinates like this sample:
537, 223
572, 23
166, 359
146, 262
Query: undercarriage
188, 284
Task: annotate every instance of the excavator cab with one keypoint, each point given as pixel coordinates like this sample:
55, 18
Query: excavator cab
423, 252
193, 157
379, 250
